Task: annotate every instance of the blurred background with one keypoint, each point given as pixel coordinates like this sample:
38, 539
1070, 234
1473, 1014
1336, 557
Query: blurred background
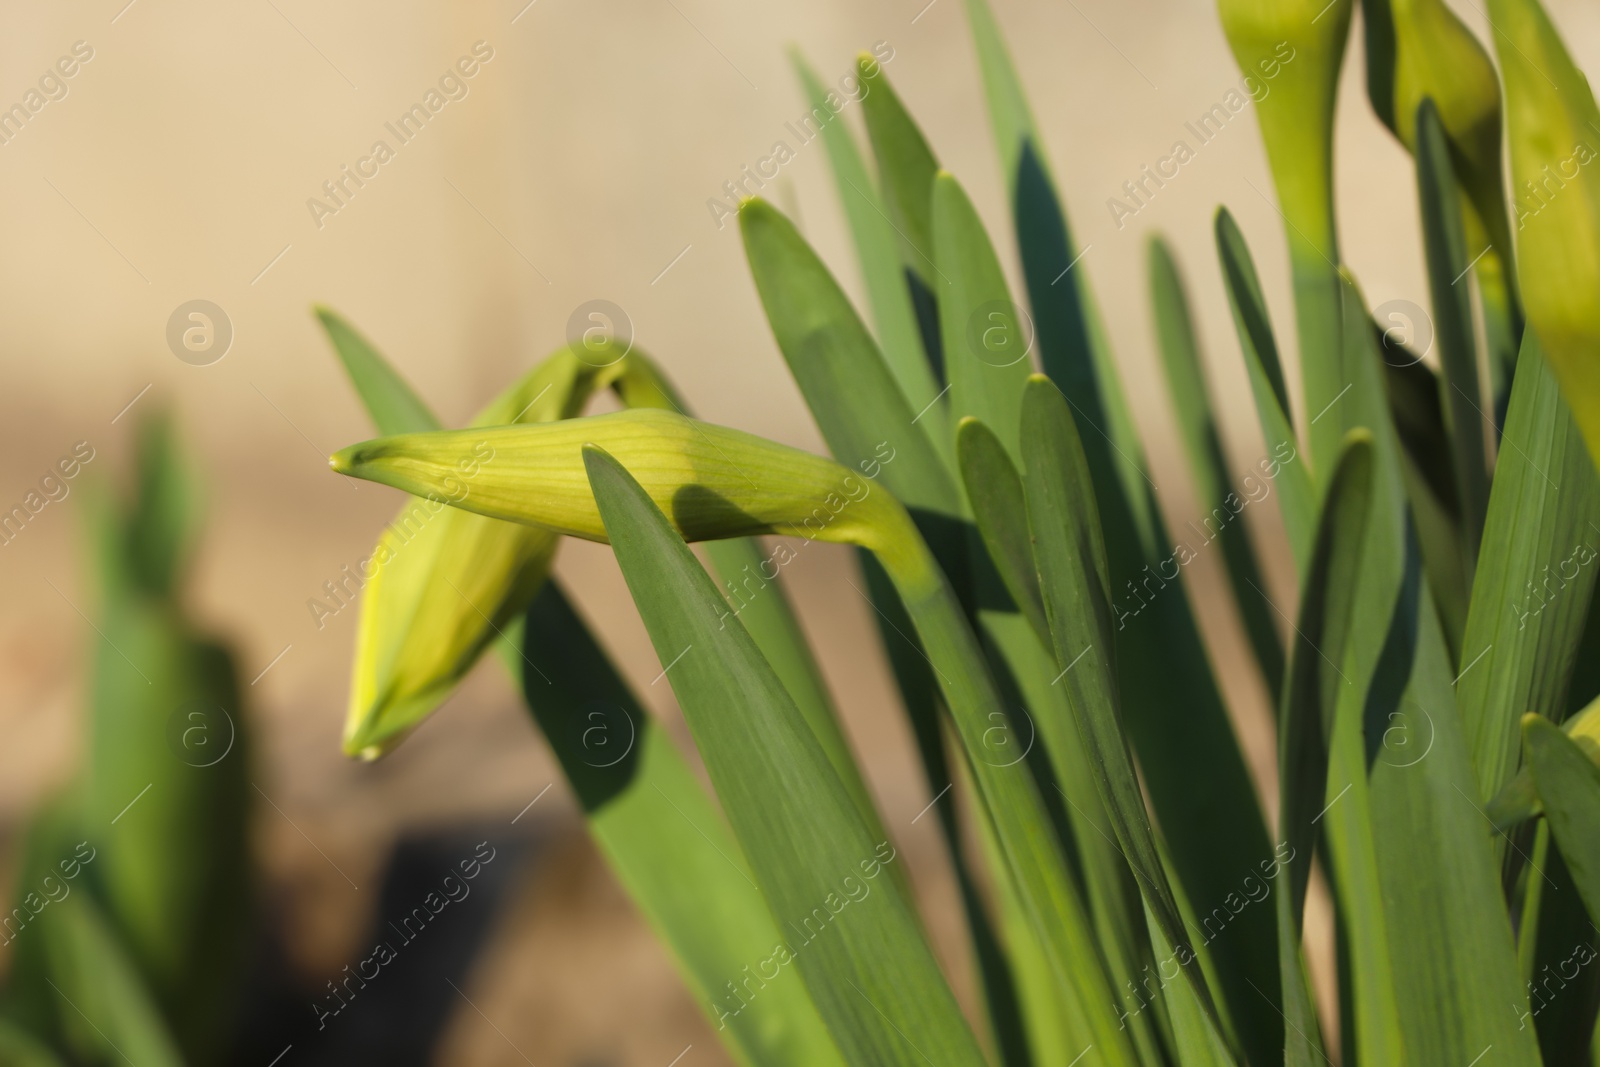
180, 163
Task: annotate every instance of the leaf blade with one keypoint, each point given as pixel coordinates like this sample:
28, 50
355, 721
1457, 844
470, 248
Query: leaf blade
875, 982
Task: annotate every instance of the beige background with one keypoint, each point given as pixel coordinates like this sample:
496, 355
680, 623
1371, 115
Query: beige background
179, 166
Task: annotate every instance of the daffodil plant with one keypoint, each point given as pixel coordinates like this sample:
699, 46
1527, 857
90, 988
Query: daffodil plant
1131, 890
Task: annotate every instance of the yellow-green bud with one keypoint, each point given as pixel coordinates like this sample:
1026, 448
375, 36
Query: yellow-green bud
1554, 133
1437, 56
1303, 42
443, 583
710, 481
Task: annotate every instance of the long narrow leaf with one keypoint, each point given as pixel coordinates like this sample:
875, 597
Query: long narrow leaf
1064, 524
1569, 787
1306, 722
1186, 387
1162, 644
877, 249
1447, 256
987, 341
388, 398
1399, 743
1535, 580
664, 838
871, 974
1297, 499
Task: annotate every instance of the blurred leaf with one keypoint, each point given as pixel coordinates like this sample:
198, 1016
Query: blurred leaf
166, 800
164, 516
52, 848
18, 1049
1197, 428
108, 1017
664, 838
873, 977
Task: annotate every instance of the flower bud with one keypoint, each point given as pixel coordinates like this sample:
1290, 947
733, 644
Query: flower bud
1303, 42
442, 583
711, 482
1435, 56
1554, 131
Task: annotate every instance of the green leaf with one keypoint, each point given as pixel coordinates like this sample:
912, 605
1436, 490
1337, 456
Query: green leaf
1307, 717
393, 404
760, 601
107, 1016
876, 248
987, 340
1417, 409
723, 483
19, 1049
168, 751
1195, 1039
1019, 649
924, 708
1297, 498
1064, 524
1008, 106
841, 376
1518, 800
164, 516
1197, 428
1557, 934
1073, 348
995, 492
1410, 836
664, 838
1448, 255
1569, 786
1536, 575
906, 166
1163, 646
872, 976
839, 368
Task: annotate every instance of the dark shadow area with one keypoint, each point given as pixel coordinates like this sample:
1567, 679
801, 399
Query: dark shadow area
439, 899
